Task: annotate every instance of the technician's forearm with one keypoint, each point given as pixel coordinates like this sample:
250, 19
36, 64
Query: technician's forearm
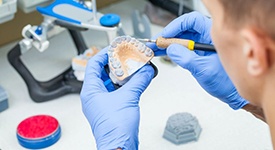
256, 111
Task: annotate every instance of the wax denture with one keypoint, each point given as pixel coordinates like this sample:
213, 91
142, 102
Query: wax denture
126, 56
80, 62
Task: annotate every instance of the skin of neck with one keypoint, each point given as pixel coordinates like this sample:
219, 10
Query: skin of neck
268, 104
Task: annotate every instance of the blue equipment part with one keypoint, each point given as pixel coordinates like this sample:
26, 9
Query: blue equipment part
38, 30
110, 20
74, 13
40, 143
67, 10
3, 100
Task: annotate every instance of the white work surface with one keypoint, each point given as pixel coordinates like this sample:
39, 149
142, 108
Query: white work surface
174, 90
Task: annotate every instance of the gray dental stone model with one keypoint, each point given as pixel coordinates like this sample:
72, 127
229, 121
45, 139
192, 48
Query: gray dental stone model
182, 128
3, 100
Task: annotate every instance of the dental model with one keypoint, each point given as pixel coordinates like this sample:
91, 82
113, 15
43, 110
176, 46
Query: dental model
79, 62
126, 56
182, 128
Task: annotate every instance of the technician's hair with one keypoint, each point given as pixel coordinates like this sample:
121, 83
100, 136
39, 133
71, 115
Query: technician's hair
258, 13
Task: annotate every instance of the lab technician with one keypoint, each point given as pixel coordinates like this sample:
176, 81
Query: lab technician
243, 32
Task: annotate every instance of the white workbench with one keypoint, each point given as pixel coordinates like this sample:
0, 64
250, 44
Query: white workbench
173, 90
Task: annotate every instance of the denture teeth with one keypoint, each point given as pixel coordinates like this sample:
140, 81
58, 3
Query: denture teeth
119, 72
148, 52
112, 59
123, 38
128, 38
140, 46
110, 54
113, 45
133, 41
116, 64
110, 49
118, 40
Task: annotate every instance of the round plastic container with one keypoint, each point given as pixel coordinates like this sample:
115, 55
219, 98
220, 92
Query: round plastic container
38, 132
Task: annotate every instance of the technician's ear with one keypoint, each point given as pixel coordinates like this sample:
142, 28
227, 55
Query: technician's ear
255, 51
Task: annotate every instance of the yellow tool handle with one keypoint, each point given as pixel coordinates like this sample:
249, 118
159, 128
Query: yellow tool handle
165, 42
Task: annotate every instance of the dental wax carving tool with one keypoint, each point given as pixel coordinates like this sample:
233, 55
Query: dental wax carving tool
191, 45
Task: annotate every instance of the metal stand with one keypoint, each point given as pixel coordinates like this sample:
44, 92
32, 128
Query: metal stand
36, 36
141, 20
60, 85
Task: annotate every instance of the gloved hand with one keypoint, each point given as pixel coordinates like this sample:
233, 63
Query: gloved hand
204, 66
113, 116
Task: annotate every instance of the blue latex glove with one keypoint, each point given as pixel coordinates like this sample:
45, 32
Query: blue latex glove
113, 116
204, 66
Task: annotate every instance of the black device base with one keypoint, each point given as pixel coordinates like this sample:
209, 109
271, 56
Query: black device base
60, 85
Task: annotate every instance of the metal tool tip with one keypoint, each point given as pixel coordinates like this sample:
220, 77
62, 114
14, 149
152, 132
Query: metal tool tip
146, 40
